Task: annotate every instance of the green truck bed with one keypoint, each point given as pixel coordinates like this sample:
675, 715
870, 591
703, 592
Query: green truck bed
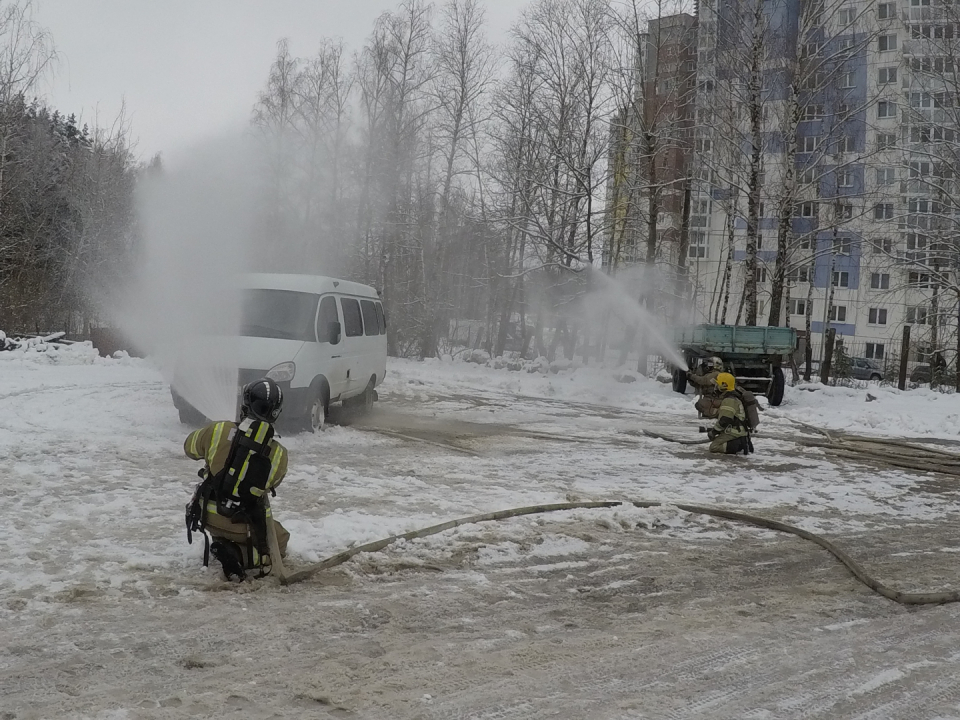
733, 340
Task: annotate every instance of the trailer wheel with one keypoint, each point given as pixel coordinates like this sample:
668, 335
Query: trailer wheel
775, 394
679, 381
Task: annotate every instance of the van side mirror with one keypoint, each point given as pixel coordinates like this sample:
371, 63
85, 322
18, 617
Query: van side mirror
333, 332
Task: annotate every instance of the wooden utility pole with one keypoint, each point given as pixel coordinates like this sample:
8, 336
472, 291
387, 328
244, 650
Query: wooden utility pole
904, 356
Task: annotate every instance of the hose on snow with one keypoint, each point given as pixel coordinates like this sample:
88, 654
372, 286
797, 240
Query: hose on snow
904, 598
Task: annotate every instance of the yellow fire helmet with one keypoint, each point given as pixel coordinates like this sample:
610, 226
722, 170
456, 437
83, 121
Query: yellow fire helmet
726, 382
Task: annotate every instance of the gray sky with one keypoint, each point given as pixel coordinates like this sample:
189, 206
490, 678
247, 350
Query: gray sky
189, 69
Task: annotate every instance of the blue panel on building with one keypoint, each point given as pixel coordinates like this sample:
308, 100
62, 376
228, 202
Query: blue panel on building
840, 263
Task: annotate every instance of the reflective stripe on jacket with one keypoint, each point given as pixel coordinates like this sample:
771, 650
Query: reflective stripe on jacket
732, 418
212, 445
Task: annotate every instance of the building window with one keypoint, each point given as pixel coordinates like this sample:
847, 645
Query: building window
886, 109
812, 112
919, 168
845, 179
799, 275
883, 211
808, 175
879, 281
886, 43
916, 315
886, 141
920, 133
919, 280
887, 75
877, 316
844, 211
761, 275
813, 81
841, 246
845, 44
886, 176
808, 209
919, 3
886, 11
874, 351
798, 307
841, 279
805, 242
847, 144
698, 244
921, 100
883, 245
916, 248
810, 144
808, 50
919, 32
848, 80
700, 213
847, 16
838, 313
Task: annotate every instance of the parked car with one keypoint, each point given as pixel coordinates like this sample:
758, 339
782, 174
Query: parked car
865, 369
921, 374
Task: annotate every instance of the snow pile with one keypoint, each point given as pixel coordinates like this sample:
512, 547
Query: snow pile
890, 412
52, 350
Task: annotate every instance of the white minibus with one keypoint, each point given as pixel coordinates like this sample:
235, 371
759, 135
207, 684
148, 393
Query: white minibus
323, 340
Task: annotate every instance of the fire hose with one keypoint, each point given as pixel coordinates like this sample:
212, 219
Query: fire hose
904, 598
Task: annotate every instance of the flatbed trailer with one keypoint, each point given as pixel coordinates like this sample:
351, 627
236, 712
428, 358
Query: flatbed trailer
753, 355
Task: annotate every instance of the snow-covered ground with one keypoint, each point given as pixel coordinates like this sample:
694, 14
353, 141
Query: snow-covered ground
604, 613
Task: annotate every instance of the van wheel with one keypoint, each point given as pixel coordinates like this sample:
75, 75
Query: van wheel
317, 410
365, 401
876, 378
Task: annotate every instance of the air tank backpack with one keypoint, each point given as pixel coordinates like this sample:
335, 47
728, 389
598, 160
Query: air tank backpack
237, 489
751, 411
751, 408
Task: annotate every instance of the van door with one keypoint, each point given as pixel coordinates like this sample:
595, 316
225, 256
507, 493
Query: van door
369, 364
353, 345
329, 359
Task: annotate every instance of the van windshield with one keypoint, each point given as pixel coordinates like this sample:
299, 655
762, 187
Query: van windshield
280, 314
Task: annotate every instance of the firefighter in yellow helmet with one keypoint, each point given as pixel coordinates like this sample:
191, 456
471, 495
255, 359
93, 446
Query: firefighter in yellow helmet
730, 434
242, 463
708, 404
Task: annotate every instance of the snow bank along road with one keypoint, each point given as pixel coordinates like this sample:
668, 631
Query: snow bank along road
106, 612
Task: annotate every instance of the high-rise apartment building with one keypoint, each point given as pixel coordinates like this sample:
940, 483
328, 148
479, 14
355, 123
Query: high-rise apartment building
847, 111
651, 148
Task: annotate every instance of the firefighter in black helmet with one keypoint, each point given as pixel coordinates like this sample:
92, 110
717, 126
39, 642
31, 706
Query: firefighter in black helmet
241, 464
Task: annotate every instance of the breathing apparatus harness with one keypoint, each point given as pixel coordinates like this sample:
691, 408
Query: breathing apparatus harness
237, 490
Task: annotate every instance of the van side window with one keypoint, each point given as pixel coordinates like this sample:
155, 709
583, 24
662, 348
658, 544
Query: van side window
381, 319
327, 316
352, 322
370, 324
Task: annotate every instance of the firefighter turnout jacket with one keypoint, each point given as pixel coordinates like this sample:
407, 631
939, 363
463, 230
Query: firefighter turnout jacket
731, 418
212, 445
